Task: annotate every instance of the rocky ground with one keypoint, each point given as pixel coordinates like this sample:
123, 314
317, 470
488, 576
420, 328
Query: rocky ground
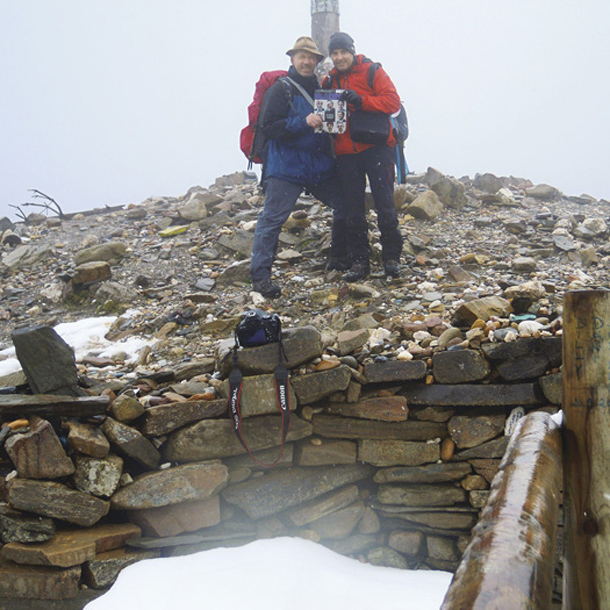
487, 262
180, 264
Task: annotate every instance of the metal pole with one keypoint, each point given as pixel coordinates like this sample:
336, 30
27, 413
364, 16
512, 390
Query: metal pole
586, 407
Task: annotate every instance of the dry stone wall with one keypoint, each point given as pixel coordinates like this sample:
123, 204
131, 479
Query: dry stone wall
386, 460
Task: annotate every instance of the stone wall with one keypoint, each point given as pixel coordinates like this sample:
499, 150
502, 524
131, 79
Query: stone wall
386, 460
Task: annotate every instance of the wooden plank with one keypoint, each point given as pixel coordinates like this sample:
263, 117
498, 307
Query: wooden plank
21, 405
586, 406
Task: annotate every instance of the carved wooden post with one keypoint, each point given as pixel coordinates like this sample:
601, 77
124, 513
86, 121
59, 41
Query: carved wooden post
586, 406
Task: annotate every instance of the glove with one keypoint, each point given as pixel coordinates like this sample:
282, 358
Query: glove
351, 97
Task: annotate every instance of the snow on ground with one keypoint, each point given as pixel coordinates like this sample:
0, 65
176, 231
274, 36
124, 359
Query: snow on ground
86, 338
271, 575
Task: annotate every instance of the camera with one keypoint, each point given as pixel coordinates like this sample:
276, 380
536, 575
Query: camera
258, 328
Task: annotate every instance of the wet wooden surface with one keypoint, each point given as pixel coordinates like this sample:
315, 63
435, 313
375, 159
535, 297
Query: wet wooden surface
510, 560
586, 406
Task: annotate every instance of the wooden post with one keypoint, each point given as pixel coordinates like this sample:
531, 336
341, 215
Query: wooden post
510, 560
586, 407
324, 22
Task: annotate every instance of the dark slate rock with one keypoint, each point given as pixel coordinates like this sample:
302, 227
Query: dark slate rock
35, 583
57, 501
300, 345
548, 346
395, 370
430, 473
131, 443
47, 361
279, 490
492, 449
462, 366
215, 438
314, 386
18, 527
521, 369
552, 387
508, 395
331, 426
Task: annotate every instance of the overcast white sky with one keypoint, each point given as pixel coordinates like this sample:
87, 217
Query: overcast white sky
108, 102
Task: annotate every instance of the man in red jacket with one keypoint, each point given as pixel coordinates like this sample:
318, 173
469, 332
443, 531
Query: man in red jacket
372, 92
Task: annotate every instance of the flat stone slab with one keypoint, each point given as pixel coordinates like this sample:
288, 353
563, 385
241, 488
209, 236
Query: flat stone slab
381, 408
44, 405
422, 495
37, 453
439, 520
34, 582
172, 486
321, 507
163, 419
259, 397
178, 518
326, 453
470, 395
280, 490
332, 426
215, 438
57, 501
393, 453
430, 473
460, 366
23, 527
71, 548
104, 569
300, 345
315, 386
395, 371
340, 523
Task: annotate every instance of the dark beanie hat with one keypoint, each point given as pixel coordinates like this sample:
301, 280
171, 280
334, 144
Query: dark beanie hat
341, 40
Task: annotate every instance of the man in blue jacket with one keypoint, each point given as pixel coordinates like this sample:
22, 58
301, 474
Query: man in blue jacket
295, 158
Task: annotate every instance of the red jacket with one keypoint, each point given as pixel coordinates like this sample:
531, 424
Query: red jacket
383, 97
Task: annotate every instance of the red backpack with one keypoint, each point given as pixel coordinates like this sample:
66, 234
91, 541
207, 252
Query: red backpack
248, 133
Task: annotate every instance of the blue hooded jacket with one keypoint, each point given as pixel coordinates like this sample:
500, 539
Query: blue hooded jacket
294, 152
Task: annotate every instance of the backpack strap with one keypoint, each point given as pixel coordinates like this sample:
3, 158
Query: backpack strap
282, 396
375, 65
300, 89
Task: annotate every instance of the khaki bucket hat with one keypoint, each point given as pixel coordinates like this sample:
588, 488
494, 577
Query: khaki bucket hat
305, 43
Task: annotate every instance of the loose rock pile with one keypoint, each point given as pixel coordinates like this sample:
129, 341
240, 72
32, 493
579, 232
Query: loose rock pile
403, 392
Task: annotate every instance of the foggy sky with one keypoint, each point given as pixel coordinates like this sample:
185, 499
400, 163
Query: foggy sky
108, 102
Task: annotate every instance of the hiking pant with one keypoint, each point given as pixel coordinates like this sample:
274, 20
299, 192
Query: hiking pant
280, 199
378, 164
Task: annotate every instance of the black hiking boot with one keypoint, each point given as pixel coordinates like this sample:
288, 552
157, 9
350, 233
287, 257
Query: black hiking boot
338, 264
267, 288
392, 268
358, 271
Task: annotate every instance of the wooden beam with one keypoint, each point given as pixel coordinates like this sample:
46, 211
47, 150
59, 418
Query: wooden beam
510, 560
586, 406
